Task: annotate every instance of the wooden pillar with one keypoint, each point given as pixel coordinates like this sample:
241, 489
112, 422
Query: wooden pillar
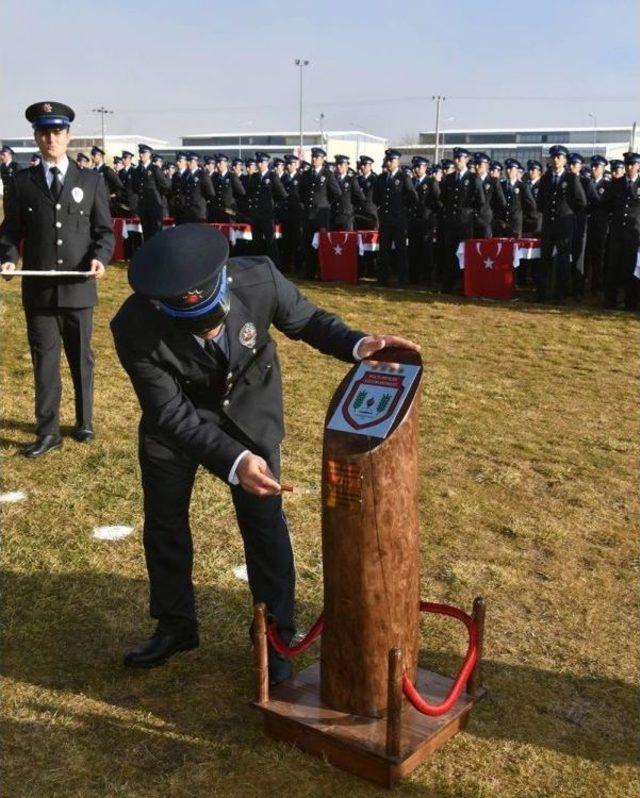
260, 644
394, 703
478, 615
370, 551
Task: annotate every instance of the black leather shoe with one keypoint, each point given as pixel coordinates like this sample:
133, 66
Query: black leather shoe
42, 445
158, 648
280, 668
83, 434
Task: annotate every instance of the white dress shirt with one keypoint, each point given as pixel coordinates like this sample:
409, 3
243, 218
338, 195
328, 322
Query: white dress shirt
63, 165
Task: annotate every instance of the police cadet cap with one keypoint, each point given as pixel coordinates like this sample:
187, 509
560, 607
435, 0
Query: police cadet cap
262, 156
495, 165
558, 149
305, 163
598, 160
366, 159
180, 154
532, 164
446, 163
480, 157
8, 149
342, 159
291, 158
144, 148
117, 159
96, 151
391, 154
221, 156
193, 156
511, 162
249, 160
82, 157
208, 159
156, 158
460, 152
184, 268
631, 158
50, 114
435, 169
127, 154
419, 160
277, 161
575, 157
318, 152
236, 161
616, 164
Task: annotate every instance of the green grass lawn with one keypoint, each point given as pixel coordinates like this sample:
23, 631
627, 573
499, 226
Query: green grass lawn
528, 453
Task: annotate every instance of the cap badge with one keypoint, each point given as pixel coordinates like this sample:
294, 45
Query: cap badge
248, 335
193, 296
77, 193
47, 108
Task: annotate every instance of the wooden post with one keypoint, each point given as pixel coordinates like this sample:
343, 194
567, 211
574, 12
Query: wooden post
260, 644
478, 614
394, 703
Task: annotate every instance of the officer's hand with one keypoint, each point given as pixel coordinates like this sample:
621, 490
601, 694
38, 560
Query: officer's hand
254, 476
97, 269
7, 267
374, 343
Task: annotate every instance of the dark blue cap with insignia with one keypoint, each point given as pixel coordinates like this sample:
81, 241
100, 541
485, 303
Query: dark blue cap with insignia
192, 156
631, 158
221, 156
365, 159
277, 161
127, 154
249, 160
262, 156
558, 149
495, 165
342, 159
82, 158
391, 154
461, 152
237, 161
144, 148
97, 151
480, 157
318, 152
575, 157
419, 160
289, 158
7, 149
185, 269
50, 114
435, 169
598, 160
156, 158
533, 164
447, 163
615, 163
117, 159
209, 159
180, 154
510, 163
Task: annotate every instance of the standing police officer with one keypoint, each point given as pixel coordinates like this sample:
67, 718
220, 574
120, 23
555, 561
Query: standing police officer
197, 190
292, 259
494, 205
343, 208
423, 219
151, 186
318, 189
264, 190
111, 179
227, 190
597, 226
8, 170
60, 214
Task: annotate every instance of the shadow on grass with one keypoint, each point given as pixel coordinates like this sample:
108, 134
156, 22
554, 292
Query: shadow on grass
67, 632
24, 426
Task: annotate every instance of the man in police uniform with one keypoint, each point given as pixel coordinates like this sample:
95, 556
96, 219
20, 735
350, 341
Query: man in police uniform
128, 198
423, 218
343, 207
560, 197
292, 217
622, 199
197, 191
366, 214
264, 190
177, 199
151, 186
393, 194
578, 245
494, 205
8, 171
318, 189
463, 198
519, 202
82, 160
111, 179
195, 341
59, 213
228, 191
597, 226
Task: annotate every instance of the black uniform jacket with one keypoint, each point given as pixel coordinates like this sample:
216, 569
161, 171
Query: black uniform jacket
428, 191
622, 200
293, 206
64, 236
262, 195
151, 186
317, 191
560, 203
394, 195
462, 199
128, 196
519, 203
351, 196
114, 184
228, 189
214, 416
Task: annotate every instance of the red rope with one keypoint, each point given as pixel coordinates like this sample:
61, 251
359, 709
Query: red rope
468, 665
290, 651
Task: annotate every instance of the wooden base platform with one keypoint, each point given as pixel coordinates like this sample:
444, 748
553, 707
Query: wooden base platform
293, 713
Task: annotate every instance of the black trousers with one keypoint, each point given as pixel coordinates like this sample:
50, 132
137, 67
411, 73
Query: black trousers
578, 245
263, 239
151, 224
393, 249
291, 250
167, 480
595, 253
554, 272
623, 252
48, 330
420, 251
454, 232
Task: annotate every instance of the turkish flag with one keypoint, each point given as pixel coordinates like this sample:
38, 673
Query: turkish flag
338, 255
488, 267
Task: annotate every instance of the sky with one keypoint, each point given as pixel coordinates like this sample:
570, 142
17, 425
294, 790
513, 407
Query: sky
168, 69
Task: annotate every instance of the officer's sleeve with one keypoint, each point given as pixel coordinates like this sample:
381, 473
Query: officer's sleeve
435, 194
301, 320
237, 186
479, 196
169, 410
357, 191
540, 197
410, 191
206, 187
278, 190
333, 189
102, 234
11, 229
528, 202
579, 197
115, 184
499, 200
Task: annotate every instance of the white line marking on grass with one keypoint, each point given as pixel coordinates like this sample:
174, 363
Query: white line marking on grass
112, 532
13, 496
241, 573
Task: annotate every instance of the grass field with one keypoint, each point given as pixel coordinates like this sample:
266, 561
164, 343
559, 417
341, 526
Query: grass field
529, 454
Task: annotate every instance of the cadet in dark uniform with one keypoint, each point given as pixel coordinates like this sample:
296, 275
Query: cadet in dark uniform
423, 219
158, 160
82, 160
151, 186
264, 189
617, 169
366, 214
597, 226
228, 192
495, 170
343, 207
576, 162
195, 341
318, 189
111, 179
393, 194
519, 202
494, 206
177, 199
8, 171
196, 191
622, 199
463, 198
59, 213
560, 197
128, 197
292, 259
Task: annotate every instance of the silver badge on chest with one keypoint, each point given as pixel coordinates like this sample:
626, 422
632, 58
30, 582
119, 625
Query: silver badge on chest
248, 335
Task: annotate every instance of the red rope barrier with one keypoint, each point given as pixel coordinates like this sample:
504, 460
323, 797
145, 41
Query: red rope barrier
290, 651
468, 665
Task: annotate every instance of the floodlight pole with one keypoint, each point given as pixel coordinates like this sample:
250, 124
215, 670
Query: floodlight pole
102, 111
301, 63
438, 100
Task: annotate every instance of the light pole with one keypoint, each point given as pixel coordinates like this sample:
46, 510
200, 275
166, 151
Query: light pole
301, 63
102, 111
438, 100
595, 124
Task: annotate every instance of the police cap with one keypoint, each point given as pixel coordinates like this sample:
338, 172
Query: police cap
50, 114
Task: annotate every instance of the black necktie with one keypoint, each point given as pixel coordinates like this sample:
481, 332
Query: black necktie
56, 186
213, 349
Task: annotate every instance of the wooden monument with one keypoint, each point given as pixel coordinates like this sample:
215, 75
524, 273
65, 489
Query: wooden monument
350, 708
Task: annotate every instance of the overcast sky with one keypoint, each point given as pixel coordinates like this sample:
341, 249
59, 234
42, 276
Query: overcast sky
169, 68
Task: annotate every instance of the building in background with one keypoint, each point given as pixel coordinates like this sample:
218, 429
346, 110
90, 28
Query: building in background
25, 147
523, 143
